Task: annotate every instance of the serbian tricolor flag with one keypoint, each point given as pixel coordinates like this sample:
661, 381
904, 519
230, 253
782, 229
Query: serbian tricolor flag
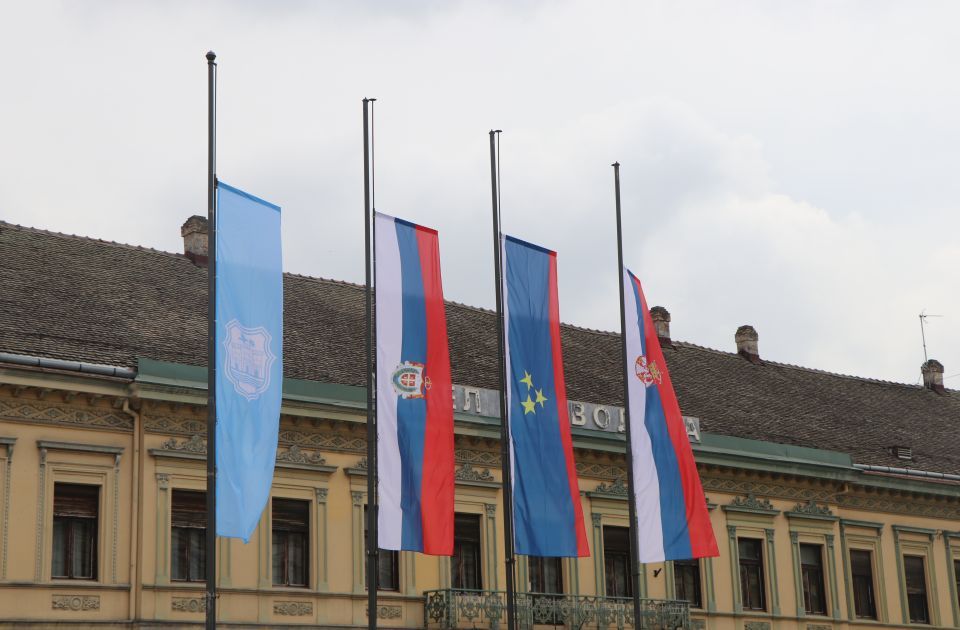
548, 517
414, 414
672, 519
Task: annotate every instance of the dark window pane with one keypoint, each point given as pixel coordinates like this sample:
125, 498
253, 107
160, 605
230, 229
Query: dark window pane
811, 568
187, 536
465, 564
616, 561
916, 579
388, 563
75, 509
290, 544
752, 590
861, 570
686, 580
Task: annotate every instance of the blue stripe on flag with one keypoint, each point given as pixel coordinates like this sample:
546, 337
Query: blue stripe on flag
544, 515
411, 412
673, 509
640, 322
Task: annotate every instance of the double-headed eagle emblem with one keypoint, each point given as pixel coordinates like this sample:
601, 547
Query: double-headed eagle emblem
647, 371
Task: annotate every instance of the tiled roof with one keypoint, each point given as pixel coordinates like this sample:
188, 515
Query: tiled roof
82, 299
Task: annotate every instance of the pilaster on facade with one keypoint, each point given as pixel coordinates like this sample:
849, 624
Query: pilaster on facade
772, 571
7, 466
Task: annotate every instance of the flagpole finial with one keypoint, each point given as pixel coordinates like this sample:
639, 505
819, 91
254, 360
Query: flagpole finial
616, 165
211, 55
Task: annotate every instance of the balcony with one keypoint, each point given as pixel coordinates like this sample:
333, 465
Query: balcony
450, 608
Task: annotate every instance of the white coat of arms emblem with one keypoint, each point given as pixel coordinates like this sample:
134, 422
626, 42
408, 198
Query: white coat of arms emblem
408, 380
647, 372
248, 359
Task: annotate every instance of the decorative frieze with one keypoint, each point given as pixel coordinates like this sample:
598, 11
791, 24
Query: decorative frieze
480, 458
750, 503
617, 487
601, 471
388, 612
75, 602
189, 604
756, 625
767, 489
40, 412
293, 609
295, 455
811, 509
195, 444
467, 472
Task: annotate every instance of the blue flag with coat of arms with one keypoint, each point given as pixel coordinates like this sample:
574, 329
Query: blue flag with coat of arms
249, 356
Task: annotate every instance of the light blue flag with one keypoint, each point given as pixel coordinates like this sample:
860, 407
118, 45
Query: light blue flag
249, 356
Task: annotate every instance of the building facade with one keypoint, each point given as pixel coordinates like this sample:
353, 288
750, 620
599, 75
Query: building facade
834, 499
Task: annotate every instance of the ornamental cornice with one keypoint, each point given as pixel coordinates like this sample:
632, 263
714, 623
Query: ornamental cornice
617, 488
52, 413
812, 510
468, 473
750, 503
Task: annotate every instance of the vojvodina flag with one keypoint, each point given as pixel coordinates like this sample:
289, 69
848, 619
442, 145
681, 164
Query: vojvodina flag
415, 467
548, 516
249, 356
672, 519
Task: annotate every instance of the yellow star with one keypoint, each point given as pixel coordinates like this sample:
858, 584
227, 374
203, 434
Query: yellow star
527, 379
529, 406
540, 397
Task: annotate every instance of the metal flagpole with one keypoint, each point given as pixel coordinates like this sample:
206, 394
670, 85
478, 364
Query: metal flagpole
211, 533
372, 553
635, 567
504, 429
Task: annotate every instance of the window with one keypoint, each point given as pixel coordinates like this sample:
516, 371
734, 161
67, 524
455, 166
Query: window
916, 579
616, 561
751, 574
465, 564
811, 572
546, 575
75, 509
291, 542
188, 536
388, 563
861, 570
686, 582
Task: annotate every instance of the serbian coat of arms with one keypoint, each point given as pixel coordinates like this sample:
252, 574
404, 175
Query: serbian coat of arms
648, 372
408, 380
248, 359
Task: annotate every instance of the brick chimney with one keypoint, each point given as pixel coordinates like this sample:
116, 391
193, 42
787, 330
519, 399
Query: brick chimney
932, 372
194, 233
661, 322
747, 347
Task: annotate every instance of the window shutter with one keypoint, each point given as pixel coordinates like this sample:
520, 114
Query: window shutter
189, 509
76, 500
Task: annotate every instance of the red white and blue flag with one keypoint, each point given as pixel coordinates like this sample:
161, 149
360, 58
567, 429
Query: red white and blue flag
548, 516
672, 519
415, 464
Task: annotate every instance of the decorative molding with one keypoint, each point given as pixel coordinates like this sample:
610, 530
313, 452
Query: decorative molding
174, 425
617, 487
9, 442
295, 455
321, 494
195, 444
601, 471
911, 506
767, 489
597, 519
388, 612
481, 458
293, 609
467, 472
38, 412
357, 497
750, 503
818, 626
163, 481
756, 625
491, 509
812, 510
794, 537
48, 445
75, 602
188, 604
358, 469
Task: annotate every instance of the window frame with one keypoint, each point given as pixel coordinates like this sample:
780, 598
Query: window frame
185, 561
871, 584
813, 575
620, 556
455, 573
385, 558
927, 608
73, 523
286, 532
680, 566
760, 569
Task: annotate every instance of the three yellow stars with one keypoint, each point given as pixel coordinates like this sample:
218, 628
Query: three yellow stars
530, 405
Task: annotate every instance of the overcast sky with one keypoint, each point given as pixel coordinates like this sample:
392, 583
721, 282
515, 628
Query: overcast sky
790, 165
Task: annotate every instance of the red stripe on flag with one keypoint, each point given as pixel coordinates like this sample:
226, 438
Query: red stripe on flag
583, 548
437, 486
703, 543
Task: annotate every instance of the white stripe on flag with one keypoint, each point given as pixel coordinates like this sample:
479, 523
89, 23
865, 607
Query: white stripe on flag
389, 340
646, 484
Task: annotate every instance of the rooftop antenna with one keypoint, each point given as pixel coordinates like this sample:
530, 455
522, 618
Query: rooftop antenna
923, 336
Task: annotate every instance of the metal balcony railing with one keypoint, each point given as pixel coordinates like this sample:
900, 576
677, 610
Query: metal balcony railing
450, 608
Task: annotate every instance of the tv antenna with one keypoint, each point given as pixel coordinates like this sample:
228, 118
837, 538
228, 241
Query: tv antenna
923, 335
